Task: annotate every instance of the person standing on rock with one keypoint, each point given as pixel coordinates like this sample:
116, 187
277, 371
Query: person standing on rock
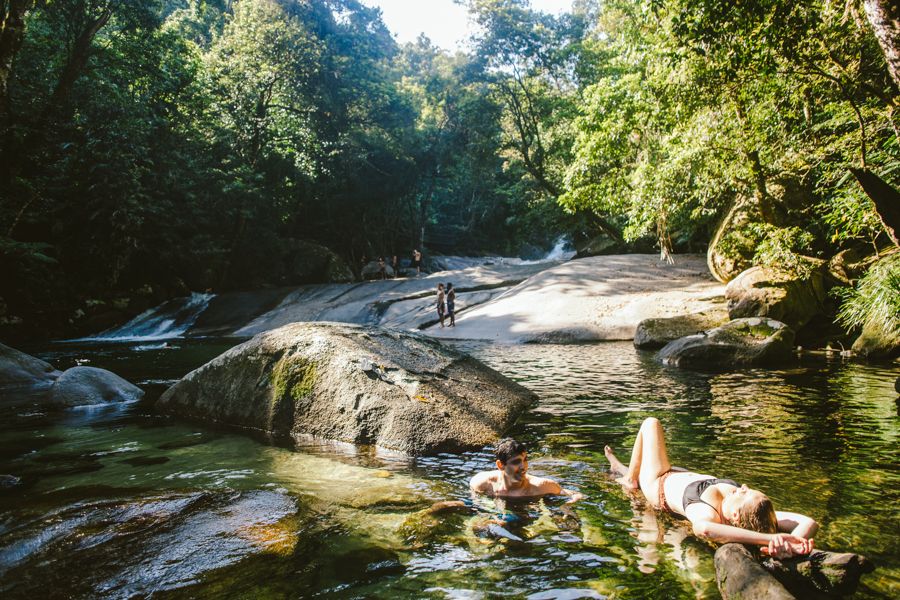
417, 260
382, 271
451, 304
395, 265
441, 303
511, 478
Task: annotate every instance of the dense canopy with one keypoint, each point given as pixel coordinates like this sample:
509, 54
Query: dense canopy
175, 145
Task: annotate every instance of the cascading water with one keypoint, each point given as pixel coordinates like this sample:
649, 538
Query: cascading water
168, 320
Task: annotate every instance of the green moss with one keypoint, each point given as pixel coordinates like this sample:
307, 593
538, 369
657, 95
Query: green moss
293, 375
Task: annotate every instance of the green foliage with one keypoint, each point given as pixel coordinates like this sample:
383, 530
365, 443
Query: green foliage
875, 301
784, 248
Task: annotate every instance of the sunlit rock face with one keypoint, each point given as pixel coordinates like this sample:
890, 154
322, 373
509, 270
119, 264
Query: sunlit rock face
364, 385
739, 342
764, 292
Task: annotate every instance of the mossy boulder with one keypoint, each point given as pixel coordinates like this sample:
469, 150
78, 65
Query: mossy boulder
766, 292
741, 342
656, 333
363, 385
876, 343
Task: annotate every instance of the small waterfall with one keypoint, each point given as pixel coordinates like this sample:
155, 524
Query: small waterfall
168, 320
559, 251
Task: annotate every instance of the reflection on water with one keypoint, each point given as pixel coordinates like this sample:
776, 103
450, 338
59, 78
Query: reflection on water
155, 505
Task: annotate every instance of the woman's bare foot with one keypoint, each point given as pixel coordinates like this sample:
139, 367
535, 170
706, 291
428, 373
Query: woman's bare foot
616, 466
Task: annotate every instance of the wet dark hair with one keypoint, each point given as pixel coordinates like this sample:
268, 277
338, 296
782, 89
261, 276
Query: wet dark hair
449, 286
758, 515
508, 448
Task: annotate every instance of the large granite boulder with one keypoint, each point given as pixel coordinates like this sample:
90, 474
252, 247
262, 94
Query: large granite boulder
765, 292
740, 342
26, 379
307, 262
656, 333
364, 385
372, 270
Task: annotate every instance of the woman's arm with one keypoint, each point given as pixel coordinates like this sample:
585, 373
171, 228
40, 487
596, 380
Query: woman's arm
796, 524
719, 532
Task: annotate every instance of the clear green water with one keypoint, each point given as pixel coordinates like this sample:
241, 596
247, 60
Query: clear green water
121, 502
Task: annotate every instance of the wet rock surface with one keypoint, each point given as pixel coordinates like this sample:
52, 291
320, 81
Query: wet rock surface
363, 385
25, 379
764, 292
740, 342
79, 386
656, 333
142, 546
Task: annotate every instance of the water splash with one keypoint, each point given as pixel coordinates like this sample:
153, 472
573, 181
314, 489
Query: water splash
168, 320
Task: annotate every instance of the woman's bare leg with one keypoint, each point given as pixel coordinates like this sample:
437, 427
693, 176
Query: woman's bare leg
649, 460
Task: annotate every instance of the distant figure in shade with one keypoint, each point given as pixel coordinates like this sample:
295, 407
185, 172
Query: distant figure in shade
451, 304
382, 271
440, 303
395, 265
417, 260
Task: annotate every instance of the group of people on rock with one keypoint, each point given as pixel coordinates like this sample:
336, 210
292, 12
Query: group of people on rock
395, 264
720, 510
446, 304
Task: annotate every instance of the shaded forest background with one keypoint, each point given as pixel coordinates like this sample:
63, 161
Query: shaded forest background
153, 147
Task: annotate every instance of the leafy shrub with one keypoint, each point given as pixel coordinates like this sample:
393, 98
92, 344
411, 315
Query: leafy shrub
875, 302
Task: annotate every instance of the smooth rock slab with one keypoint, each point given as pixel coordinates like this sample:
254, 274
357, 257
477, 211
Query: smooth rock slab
741, 342
364, 385
656, 333
80, 386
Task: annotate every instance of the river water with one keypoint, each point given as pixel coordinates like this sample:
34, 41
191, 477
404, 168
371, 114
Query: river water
118, 501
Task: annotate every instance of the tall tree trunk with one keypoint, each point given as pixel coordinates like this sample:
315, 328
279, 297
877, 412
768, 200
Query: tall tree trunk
885, 198
884, 16
12, 32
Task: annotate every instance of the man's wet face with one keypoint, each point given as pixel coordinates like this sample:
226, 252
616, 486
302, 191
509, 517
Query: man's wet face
515, 468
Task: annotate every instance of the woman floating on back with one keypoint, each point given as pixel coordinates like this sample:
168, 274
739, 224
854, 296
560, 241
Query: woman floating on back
719, 509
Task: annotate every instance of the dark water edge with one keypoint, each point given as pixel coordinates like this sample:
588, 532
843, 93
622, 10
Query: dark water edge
120, 501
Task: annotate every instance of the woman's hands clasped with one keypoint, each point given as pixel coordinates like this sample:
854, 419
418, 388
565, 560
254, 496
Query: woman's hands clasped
785, 545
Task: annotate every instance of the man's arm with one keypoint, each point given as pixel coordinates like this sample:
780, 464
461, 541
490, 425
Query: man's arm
548, 486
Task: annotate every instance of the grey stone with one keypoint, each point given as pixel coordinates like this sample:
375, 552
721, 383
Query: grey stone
741, 342
656, 333
364, 385
24, 377
740, 576
875, 343
88, 385
764, 292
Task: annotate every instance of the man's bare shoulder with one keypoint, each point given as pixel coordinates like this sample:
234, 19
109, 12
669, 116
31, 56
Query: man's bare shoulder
483, 481
543, 486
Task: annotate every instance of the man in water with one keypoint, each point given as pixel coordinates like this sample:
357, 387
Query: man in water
511, 478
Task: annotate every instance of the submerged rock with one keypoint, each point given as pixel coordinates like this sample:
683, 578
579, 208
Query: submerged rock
737, 343
23, 376
764, 292
88, 385
24, 379
364, 385
656, 333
